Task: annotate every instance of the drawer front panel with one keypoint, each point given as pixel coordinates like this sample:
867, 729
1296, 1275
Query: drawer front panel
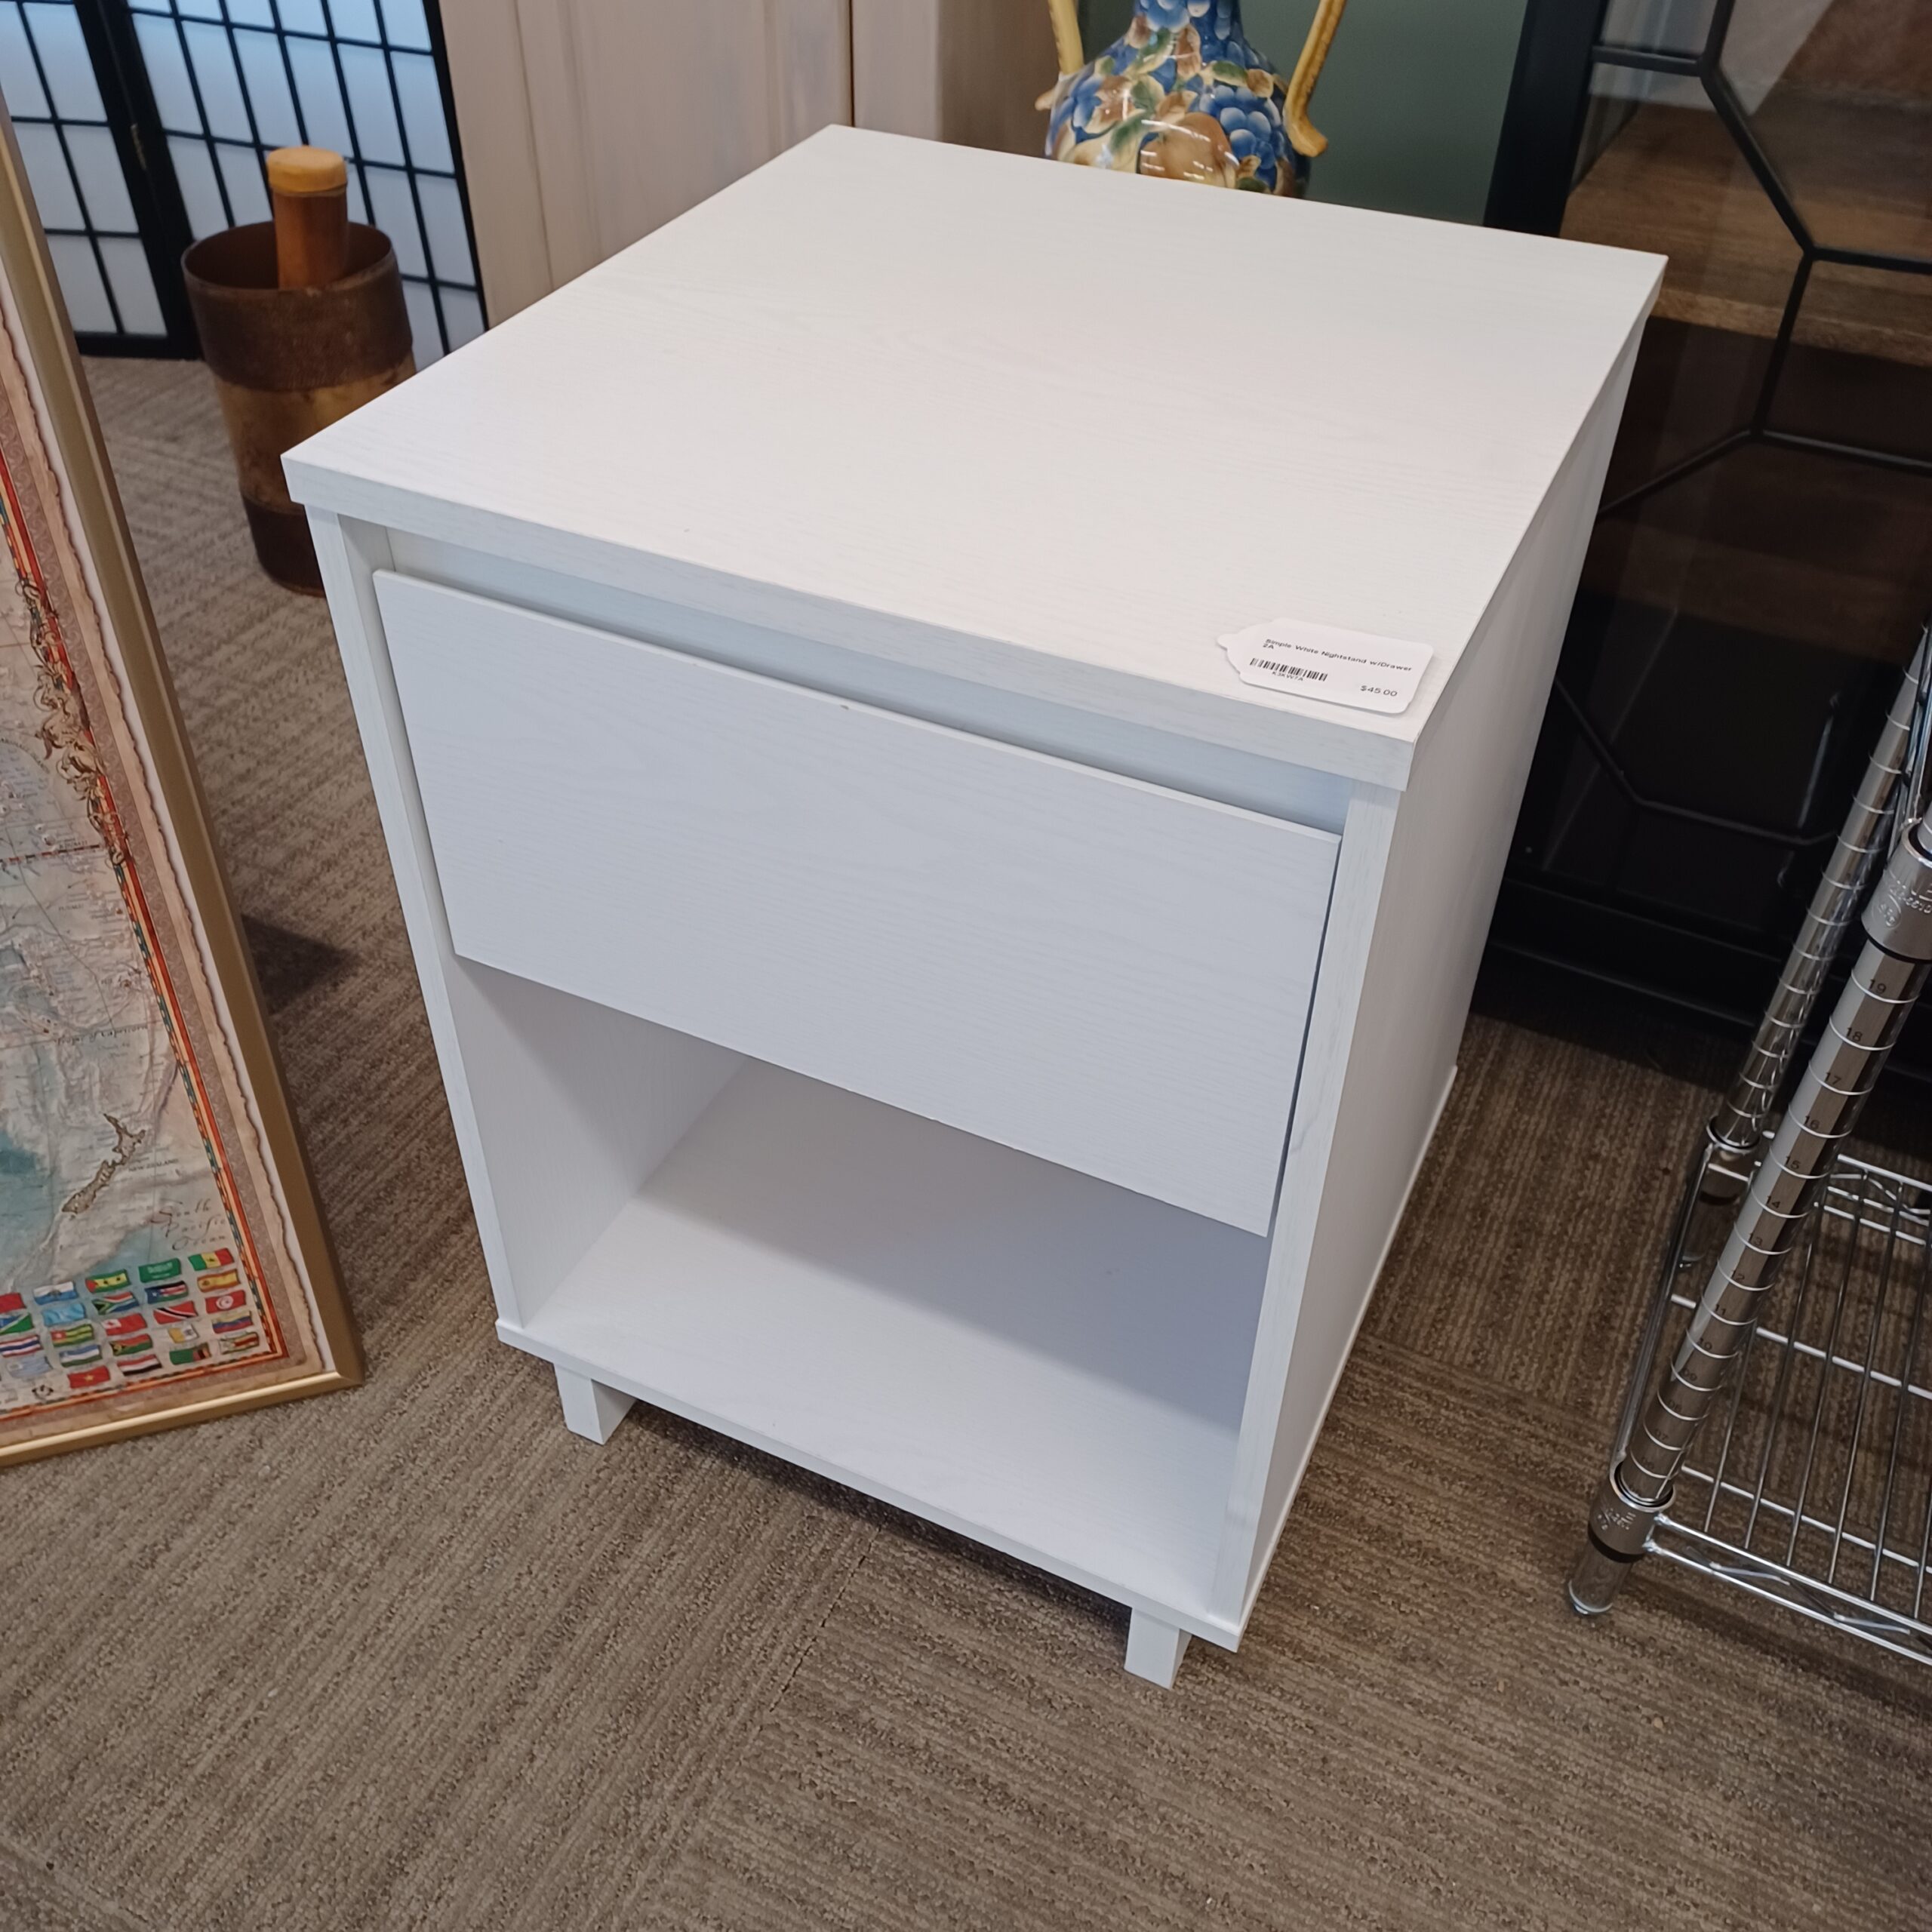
1111, 975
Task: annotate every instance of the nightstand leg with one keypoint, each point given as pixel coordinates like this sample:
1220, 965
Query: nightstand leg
590, 1409
1154, 1649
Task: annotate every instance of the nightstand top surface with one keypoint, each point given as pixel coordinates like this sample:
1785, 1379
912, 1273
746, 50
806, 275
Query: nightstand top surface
1036, 425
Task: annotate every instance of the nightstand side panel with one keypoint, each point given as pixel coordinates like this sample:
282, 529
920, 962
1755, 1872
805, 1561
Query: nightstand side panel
1416, 885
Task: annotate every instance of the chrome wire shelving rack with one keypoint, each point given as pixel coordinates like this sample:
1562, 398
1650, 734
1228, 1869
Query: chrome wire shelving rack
1777, 1431
1811, 1484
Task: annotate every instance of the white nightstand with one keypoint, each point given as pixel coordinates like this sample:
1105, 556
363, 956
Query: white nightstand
905, 1003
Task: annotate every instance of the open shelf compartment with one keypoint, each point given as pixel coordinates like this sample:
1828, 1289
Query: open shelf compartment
1047, 1363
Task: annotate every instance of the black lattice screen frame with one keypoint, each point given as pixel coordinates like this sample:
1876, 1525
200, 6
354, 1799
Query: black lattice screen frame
330, 28
158, 227
152, 124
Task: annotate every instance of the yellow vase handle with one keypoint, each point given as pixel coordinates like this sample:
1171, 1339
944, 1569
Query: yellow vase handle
1066, 35
1302, 137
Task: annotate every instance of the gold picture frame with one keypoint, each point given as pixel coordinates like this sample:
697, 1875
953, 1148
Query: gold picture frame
241, 1303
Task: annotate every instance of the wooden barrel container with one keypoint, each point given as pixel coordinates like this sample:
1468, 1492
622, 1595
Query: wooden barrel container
289, 362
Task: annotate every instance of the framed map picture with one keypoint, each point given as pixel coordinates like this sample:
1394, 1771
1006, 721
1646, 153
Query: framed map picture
162, 1260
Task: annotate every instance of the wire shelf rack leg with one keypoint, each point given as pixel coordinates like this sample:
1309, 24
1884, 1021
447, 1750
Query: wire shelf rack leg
1891, 971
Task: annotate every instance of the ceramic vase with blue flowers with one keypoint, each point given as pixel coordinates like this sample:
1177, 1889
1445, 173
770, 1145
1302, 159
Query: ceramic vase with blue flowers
1184, 95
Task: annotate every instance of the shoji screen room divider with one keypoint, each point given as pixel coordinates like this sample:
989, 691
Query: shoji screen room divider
143, 123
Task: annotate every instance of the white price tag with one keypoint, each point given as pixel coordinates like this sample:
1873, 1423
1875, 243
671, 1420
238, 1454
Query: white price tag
1322, 661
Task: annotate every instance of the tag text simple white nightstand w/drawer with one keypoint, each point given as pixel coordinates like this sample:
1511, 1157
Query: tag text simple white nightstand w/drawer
905, 1002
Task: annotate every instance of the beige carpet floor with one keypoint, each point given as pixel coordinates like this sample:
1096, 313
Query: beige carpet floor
413, 1656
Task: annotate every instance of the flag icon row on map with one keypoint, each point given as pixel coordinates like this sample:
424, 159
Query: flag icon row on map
125, 1328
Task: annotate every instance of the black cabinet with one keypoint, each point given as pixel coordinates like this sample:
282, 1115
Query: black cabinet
1763, 560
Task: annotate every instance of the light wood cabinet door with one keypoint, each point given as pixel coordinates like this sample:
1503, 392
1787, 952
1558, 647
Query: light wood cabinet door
587, 123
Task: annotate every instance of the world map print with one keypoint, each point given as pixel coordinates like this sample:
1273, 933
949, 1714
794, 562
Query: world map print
110, 1178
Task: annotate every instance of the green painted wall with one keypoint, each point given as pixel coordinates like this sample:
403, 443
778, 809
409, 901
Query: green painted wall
1411, 100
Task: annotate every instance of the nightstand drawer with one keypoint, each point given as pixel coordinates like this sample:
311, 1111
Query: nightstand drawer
1109, 975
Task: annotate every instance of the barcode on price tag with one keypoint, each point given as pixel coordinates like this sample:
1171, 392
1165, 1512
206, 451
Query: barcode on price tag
1323, 661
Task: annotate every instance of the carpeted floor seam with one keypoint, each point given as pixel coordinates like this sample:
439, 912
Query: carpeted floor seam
818, 1630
